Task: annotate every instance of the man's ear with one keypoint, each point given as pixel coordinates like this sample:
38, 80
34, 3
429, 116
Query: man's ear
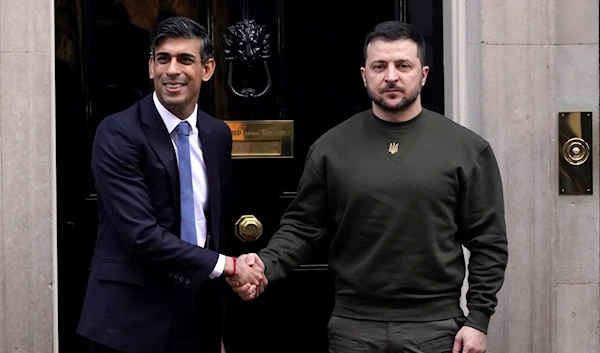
209, 69
424, 75
362, 73
151, 67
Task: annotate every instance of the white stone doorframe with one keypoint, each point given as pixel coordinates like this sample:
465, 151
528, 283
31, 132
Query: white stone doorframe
454, 64
461, 80
455, 83
28, 222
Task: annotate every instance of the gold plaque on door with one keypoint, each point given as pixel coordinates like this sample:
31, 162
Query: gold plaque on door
262, 138
575, 175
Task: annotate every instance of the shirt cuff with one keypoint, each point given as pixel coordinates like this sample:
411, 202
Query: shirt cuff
219, 267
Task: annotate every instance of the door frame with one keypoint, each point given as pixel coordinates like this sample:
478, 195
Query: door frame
461, 81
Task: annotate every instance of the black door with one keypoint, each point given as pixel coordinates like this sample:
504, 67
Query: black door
279, 89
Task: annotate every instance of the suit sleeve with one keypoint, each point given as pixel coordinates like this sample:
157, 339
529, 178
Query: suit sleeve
117, 167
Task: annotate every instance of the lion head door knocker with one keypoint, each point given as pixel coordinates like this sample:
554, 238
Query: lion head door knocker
247, 44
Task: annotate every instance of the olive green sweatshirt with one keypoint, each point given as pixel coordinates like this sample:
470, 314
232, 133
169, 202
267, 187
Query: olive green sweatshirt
397, 201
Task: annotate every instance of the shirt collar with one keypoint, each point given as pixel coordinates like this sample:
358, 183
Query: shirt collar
170, 120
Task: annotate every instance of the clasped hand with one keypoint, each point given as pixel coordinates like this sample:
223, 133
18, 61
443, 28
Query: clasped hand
249, 280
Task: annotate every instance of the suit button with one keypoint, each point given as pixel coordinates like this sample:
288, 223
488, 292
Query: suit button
187, 282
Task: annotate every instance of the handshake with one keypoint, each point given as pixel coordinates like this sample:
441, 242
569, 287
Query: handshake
248, 279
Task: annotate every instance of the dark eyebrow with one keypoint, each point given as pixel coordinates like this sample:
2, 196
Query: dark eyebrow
187, 55
399, 61
181, 55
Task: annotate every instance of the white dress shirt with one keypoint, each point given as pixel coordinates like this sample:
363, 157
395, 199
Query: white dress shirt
199, 178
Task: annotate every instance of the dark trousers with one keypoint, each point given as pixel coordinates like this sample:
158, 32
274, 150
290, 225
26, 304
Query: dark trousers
351, 336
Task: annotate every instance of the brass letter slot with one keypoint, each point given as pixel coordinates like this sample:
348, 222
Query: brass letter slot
575, 153
262, 138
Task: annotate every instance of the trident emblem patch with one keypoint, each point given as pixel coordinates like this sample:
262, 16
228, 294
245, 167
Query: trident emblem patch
393, 147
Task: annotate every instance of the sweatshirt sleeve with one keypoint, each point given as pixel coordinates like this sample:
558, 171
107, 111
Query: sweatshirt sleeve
483, 232
303, 224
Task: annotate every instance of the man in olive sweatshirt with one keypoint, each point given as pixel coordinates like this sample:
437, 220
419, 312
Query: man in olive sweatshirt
398, 202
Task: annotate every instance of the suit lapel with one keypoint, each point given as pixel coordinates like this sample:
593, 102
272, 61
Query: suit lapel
209, 150
160, 141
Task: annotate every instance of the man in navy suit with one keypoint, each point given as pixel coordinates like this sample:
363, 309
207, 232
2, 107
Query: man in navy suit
162, 177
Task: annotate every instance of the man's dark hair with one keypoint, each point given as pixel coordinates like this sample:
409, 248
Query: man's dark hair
396, 30
182, 27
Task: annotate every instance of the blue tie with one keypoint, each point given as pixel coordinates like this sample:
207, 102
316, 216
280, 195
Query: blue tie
188, 218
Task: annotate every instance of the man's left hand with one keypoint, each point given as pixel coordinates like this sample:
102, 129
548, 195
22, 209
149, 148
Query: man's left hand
469, 340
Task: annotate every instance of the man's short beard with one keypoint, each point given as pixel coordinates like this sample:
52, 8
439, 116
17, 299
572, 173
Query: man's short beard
401, 106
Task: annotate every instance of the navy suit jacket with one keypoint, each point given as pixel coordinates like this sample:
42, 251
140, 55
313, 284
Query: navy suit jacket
141, 270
